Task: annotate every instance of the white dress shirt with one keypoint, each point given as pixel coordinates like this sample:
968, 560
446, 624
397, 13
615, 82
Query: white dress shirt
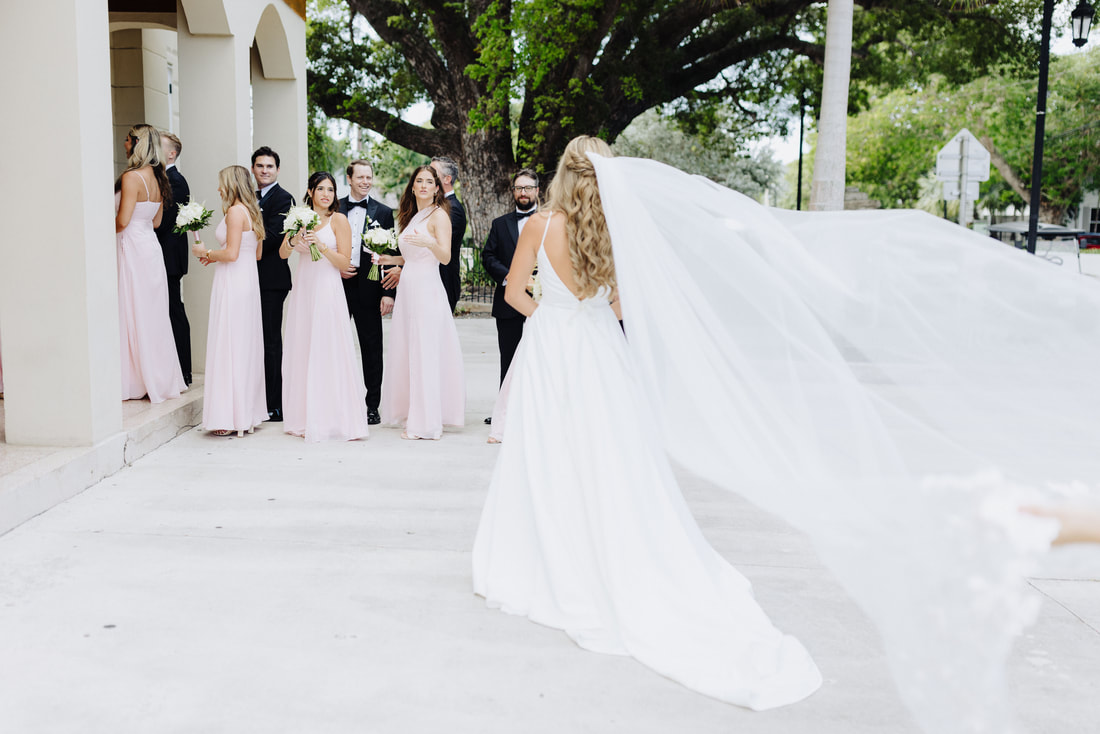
357, 217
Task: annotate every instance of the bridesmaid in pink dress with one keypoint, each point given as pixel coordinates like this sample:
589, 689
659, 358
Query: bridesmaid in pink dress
323, 393
234, 397
423, 386
149, 362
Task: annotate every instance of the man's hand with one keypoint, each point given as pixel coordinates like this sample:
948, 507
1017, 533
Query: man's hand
390, 281
349, 273
386, 306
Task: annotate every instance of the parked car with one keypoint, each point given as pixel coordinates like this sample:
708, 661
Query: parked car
1088, 240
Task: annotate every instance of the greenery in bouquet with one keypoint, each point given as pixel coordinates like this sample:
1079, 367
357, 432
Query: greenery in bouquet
299, 219
192, 217
378, 241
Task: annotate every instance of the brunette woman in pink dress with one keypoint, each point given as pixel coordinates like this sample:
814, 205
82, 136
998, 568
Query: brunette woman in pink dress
323, 393
423, 387
233, 391
149, 362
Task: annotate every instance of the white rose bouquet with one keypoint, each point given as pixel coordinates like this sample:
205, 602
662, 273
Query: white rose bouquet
192, 217
375, 239
300, 218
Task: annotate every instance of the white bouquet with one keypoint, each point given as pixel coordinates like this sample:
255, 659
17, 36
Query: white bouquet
192, 217
376, 237
300, 218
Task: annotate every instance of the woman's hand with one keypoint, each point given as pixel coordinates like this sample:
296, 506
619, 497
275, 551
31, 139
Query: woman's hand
198, 249
420, 239
390, 260
301, 241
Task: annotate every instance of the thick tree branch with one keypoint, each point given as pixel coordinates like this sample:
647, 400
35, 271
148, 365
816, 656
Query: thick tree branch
1003, 168
338, 104
407, 35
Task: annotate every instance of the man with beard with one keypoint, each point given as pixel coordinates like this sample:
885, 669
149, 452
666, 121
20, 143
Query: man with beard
497, 258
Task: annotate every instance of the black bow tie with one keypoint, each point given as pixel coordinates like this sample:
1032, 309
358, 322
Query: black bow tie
521, 215
363, 203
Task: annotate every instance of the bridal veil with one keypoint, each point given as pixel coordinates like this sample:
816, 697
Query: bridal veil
889, 383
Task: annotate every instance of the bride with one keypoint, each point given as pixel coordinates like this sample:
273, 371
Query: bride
890, 384
585, 528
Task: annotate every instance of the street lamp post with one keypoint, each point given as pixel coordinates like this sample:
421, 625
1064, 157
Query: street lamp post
1081, 20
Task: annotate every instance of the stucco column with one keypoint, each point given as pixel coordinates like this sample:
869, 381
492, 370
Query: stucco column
214, 128
58, 282
278, 121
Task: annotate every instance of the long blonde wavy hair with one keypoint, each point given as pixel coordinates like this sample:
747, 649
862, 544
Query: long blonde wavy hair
236, 186
145, 150
574, 193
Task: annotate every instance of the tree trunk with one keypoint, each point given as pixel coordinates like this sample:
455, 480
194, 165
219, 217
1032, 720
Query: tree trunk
487, 163
827, 190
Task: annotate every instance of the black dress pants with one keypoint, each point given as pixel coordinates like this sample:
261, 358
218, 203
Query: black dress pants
271, 314
181, 328
364, 298
509, 332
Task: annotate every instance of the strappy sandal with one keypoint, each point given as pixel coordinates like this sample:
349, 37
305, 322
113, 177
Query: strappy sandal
221, 432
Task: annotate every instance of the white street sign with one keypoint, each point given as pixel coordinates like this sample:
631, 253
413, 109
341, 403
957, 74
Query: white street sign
951, 190
949, 159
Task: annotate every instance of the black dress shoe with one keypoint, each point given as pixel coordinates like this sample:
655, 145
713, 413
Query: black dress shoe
373, 418
275, 416
187, 380
489, 421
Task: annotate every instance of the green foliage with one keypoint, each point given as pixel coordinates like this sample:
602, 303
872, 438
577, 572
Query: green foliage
326, 153
892, 145
393, 165
718, 157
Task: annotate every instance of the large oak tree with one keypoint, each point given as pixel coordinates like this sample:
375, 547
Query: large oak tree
583, 66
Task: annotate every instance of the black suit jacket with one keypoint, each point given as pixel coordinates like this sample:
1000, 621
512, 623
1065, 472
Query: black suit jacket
174, 246
500, 247
376, 212
274, 271
451, 273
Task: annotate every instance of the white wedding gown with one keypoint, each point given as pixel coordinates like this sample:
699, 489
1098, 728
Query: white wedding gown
585, 528
890, 384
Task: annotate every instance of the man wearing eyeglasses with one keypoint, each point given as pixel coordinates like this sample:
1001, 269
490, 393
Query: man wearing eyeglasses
497, 258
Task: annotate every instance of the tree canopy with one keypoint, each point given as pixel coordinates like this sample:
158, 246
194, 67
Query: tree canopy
582, 66
893, 144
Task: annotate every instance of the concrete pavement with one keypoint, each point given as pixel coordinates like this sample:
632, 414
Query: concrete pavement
266, 585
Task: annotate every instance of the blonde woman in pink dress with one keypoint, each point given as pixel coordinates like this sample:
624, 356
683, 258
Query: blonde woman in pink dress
324, 397
423, 387
149, 362
233, 391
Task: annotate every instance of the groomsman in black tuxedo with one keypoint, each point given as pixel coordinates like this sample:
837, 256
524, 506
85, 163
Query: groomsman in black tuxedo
274, 272
368, 300
176, 252
451, 273
497, 258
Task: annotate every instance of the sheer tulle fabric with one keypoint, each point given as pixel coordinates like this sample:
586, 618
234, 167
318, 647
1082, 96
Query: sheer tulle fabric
886, 382
602, 544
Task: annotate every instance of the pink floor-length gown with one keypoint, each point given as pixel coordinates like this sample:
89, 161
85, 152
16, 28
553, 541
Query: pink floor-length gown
423, 386
1, 375
323, 394
233, 390
150, 365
